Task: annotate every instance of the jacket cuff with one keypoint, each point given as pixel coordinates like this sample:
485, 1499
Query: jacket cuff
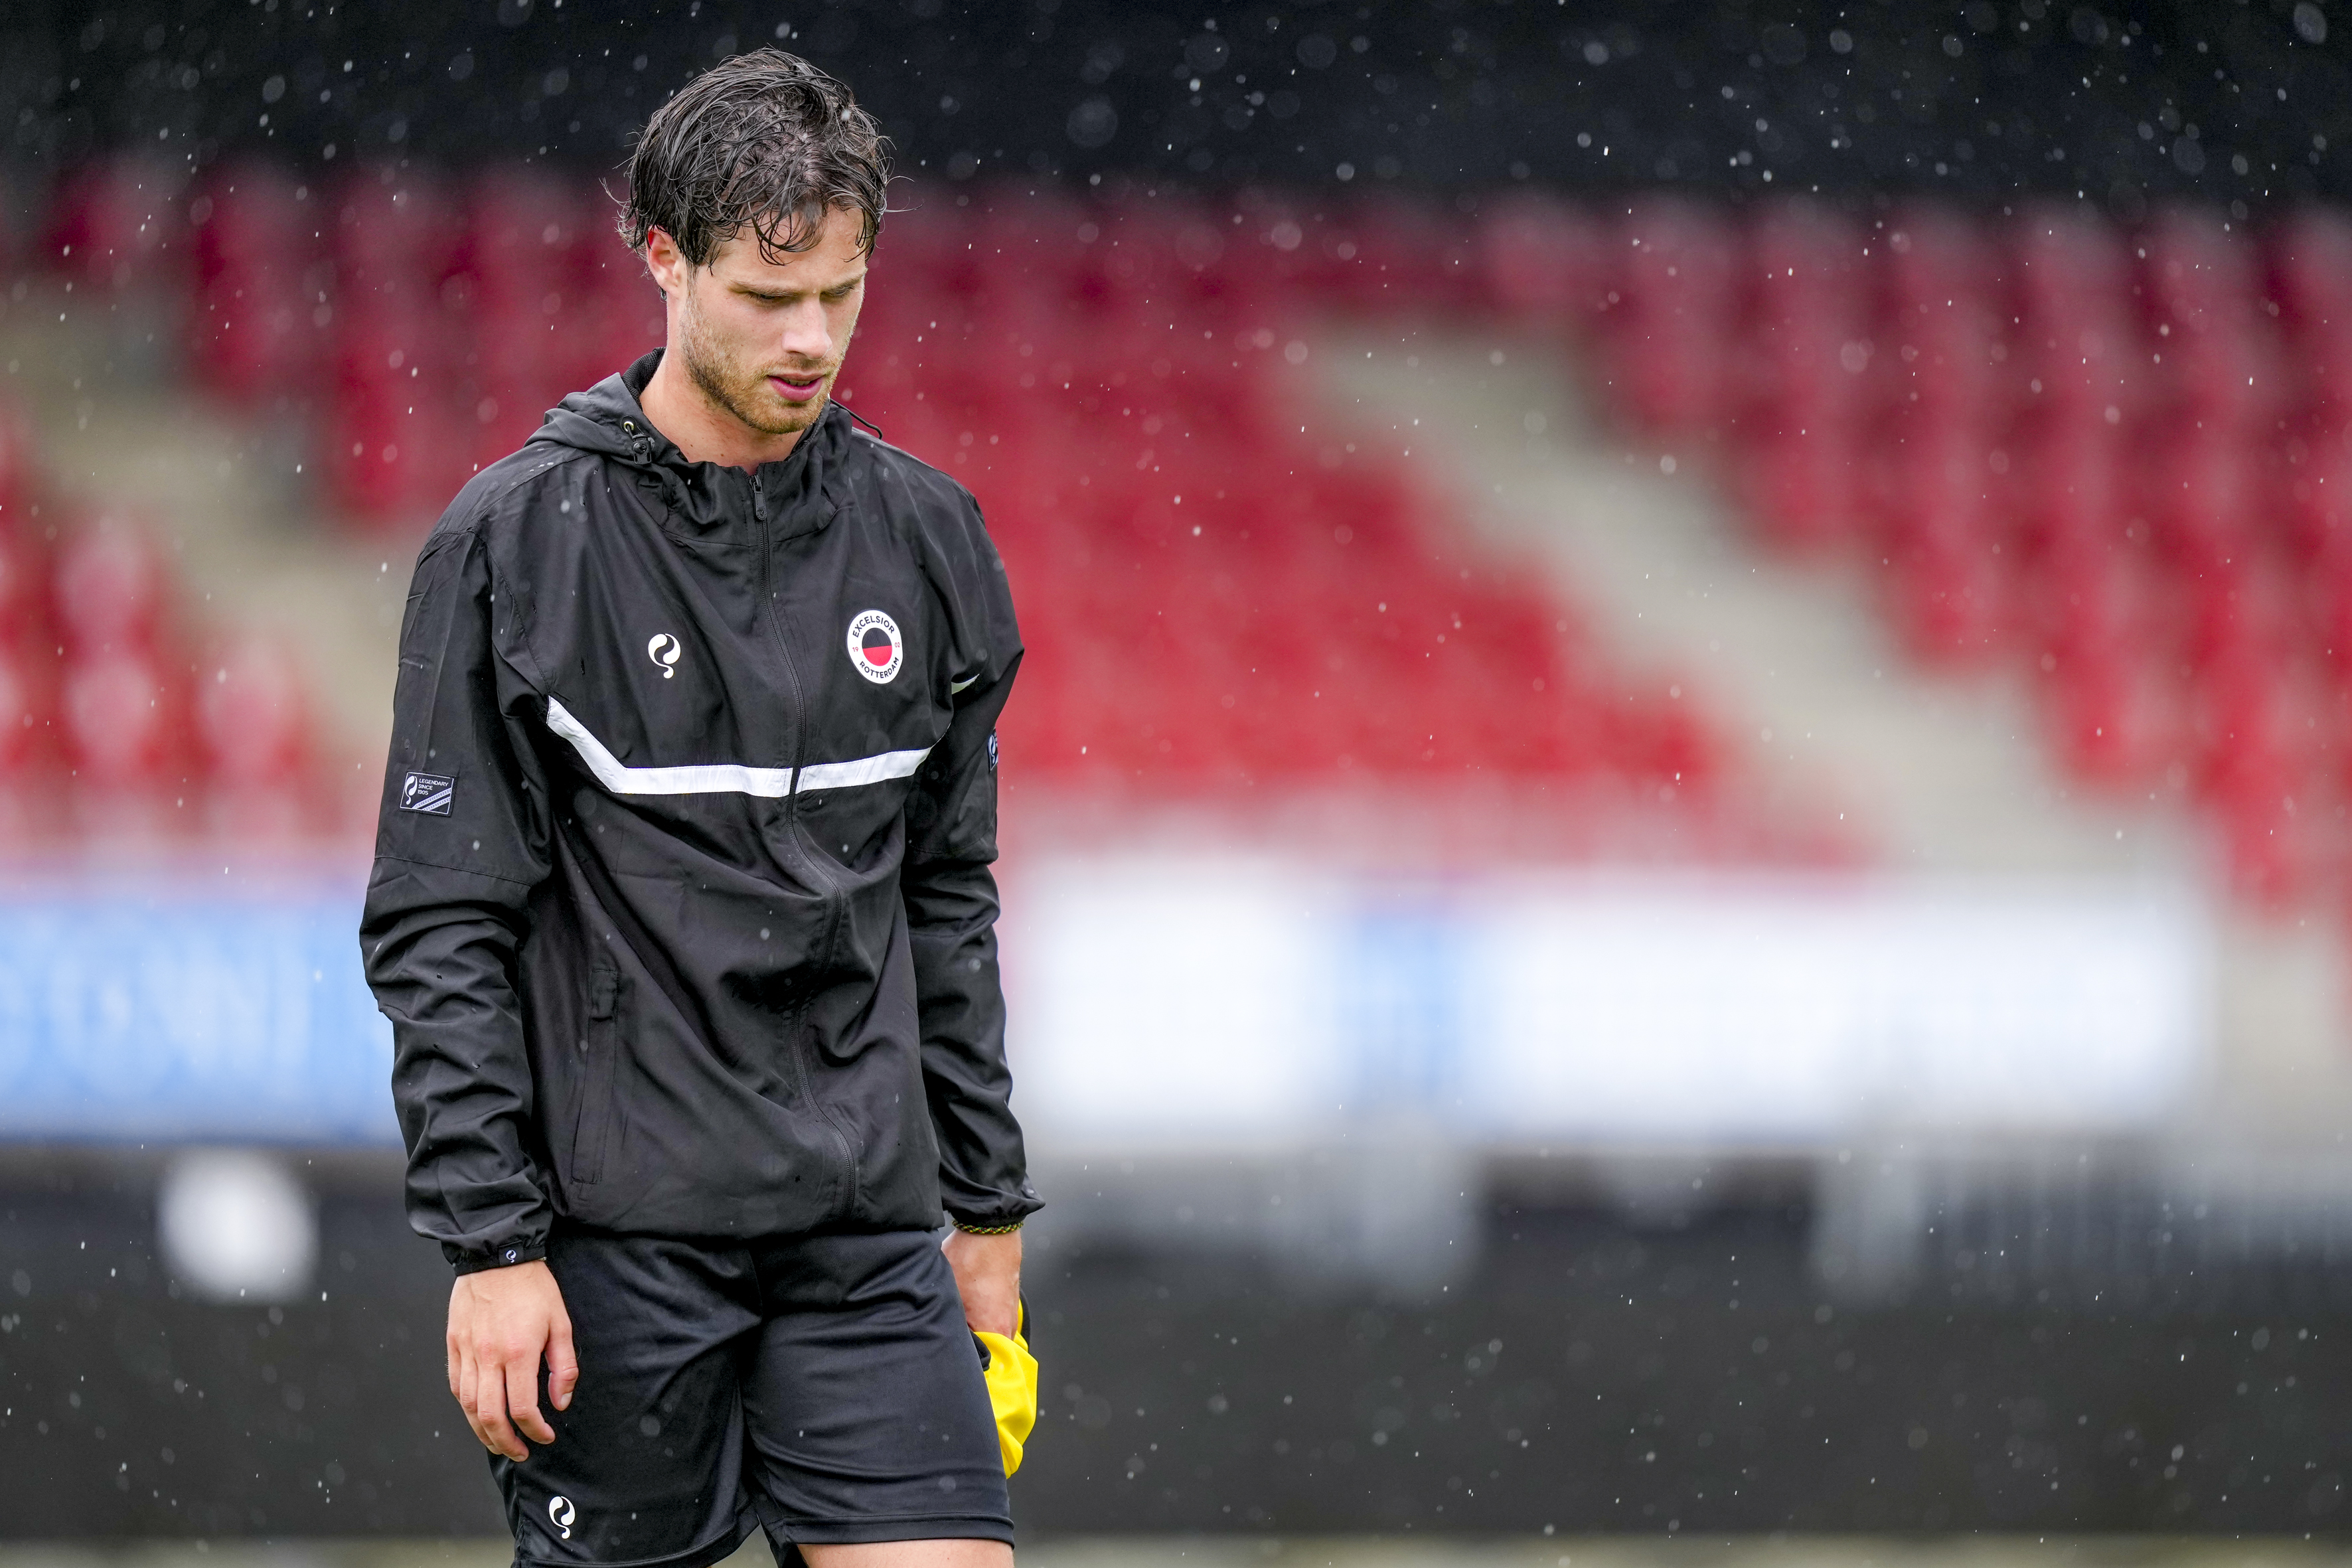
467, 1260
1000, 1214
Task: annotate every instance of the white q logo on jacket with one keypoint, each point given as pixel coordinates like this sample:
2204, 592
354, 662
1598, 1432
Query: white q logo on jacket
663, 650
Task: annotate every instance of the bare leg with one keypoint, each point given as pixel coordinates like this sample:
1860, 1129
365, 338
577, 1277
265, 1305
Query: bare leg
912, 1555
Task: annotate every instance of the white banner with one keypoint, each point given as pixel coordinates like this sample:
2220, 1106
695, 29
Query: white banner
1227, 1001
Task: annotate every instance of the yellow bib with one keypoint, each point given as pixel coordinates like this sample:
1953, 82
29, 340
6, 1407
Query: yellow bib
1012, 1375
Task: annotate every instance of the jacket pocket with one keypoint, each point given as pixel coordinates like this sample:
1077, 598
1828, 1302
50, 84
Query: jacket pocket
592, 1130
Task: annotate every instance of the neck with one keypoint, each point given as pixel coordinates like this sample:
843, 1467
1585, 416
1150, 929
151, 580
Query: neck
702, 429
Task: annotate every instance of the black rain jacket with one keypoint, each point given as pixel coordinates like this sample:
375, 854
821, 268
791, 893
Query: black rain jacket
681, 908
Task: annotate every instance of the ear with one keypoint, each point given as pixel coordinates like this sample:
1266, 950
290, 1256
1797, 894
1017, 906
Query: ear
667, 264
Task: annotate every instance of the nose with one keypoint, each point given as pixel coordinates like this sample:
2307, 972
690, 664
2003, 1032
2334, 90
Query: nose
807, 334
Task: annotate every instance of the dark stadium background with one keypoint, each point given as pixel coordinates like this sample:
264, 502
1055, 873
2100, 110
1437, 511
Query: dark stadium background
1671, 1369
2127, 105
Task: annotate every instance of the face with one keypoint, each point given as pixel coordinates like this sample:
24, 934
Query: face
763, 340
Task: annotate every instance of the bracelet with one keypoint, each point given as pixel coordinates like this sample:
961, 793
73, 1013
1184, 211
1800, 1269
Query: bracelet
985, 1229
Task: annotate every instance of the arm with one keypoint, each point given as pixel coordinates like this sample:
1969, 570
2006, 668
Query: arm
461, 843
952, 906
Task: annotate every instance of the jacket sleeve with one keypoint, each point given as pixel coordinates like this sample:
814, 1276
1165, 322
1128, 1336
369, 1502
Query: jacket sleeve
952, 905
461, 841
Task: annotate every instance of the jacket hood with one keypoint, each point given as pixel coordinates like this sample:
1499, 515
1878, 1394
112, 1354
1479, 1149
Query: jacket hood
608, 420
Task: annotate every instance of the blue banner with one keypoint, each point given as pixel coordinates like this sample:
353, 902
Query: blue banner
183, 1016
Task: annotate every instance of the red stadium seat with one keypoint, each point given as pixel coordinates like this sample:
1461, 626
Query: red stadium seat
252, 720
1800, 394
2111, 719
254, 743
118, 223
24, 596
1541, 262
2200, 287
2255, 760
520, 260
395, 233
614, 315
2076, 343
27, 717
112, 588
1667, 332
1937, 324
124, 722
261, 299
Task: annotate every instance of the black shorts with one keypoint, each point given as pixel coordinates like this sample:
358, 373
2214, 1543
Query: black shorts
822, 1387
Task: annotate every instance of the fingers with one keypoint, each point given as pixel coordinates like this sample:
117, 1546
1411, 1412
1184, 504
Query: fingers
497, 1396
522, 1400
467, 1376
484, 1400
563, 1364
488, 1412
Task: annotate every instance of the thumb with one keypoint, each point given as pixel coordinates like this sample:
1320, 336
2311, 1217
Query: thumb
563, 1364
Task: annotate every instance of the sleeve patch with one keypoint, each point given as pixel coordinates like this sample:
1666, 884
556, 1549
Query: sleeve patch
427, 793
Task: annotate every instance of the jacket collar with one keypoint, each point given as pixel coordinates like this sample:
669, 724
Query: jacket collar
790, 497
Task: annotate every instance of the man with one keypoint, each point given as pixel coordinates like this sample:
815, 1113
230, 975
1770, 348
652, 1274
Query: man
683, 916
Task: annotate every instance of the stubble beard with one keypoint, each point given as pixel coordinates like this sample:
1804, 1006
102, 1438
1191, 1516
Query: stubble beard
722, 379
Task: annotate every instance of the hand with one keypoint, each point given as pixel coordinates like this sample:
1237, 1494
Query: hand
988, 1276
501, 1321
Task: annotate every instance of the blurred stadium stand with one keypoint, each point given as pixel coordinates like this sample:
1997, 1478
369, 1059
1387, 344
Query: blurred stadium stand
1549, 714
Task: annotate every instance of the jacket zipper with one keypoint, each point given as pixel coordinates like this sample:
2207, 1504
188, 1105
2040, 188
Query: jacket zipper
793, 831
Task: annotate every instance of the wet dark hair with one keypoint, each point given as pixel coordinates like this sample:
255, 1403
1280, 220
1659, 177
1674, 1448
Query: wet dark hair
763, 140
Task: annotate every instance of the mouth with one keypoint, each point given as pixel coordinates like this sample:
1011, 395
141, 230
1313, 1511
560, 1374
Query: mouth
795, 387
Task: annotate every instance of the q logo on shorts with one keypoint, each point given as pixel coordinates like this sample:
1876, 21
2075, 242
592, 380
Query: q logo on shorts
561, 1513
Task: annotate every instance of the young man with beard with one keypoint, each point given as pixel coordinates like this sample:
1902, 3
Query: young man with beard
683, 916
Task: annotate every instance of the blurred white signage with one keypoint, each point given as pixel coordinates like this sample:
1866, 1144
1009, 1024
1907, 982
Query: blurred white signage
1224, 1001
1219, 1000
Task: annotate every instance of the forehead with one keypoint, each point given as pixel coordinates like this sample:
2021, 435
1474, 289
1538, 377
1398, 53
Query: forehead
834, 256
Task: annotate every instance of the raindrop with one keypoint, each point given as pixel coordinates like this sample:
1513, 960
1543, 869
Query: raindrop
1206, 52
1093, 122
237, 1224
1101, 60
